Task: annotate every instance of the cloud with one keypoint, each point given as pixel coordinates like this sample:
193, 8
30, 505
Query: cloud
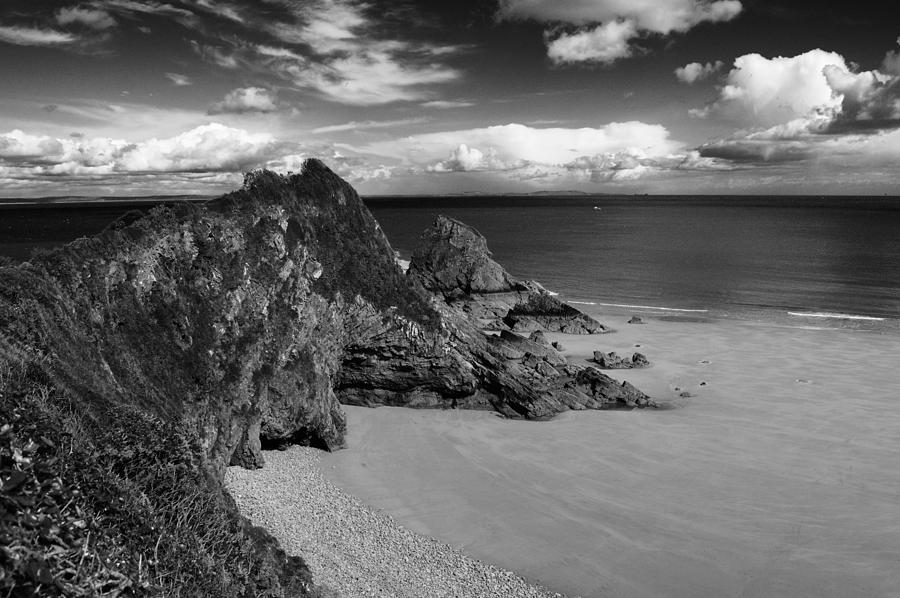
208, 158
179, 80
89, 17
369, 124
517, 143
208, 148
182, 15
215, 55
891, 62
355, 169
244, 100
25, 36
606, 27
447, 104
335, 49
466, 159
657, 16
603, 44
810, 108
764, 92
516, 152
804, 141
696, 71
870, 100
854, 122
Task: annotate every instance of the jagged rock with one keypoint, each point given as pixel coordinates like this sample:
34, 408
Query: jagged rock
635, 320
541, 311
250, 318
453, 259
610, 392
538, 337
613, 361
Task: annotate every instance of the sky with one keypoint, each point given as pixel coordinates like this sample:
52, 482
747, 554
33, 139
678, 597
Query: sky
148, 97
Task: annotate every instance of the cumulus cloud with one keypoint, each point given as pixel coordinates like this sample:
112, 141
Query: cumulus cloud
466, 159
90, 17
870, 100
516, 143
604, 44
764, 92
208, 148
812, 107
606, 27
26, 36
696, 71
244, 100
817, 87
178, 79
613, 153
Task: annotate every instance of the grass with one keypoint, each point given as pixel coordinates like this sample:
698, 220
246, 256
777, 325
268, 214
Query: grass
102, 503
126, 361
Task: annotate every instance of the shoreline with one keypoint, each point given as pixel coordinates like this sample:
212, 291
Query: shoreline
356, 550
768, 479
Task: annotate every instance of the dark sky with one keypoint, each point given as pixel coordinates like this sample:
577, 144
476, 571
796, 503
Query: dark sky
659, 96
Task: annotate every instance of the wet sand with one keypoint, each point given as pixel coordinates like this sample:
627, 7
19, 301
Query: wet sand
779, 477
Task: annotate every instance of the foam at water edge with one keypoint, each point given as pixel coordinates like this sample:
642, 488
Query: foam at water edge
695, 311
834, 316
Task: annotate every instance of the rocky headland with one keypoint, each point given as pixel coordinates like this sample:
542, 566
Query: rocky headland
138, 364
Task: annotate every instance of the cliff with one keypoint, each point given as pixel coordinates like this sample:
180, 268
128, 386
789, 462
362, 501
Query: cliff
137, 364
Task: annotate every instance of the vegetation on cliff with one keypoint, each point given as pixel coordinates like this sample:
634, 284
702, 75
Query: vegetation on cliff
137, 364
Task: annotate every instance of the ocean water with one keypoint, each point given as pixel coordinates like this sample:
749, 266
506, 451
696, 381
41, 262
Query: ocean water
805, 261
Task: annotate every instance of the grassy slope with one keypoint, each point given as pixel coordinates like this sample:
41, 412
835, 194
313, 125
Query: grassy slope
103, 491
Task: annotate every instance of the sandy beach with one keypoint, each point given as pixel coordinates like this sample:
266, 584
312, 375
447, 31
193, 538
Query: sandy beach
778, 477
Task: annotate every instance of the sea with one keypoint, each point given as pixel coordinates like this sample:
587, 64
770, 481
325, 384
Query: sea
799, 261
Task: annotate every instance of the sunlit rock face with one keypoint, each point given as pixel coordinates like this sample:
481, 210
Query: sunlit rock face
251, 318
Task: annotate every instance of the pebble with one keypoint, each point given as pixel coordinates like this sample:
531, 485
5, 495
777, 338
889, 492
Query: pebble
356, 551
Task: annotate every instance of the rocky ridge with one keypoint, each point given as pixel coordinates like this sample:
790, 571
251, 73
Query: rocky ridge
244, 323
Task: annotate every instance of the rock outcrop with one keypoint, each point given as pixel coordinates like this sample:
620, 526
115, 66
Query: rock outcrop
614, 361
517, 376
542, 311
454, 262
245, 322
249, 319
453, 259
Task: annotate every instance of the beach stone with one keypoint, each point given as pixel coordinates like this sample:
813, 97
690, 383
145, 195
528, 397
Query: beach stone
538, 337
613, 361
635, 320
639, 360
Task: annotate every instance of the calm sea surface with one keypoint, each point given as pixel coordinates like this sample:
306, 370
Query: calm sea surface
807, 261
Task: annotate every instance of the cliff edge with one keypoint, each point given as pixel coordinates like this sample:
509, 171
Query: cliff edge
137, 364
